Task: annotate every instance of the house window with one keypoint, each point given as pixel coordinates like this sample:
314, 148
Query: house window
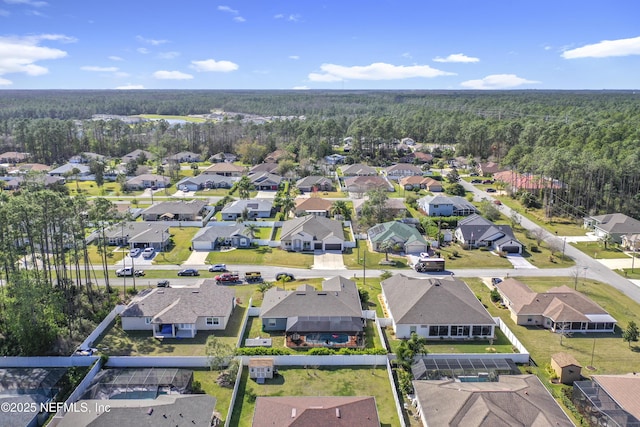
147, 320
479, 331
271, 322
212, 321
438, 331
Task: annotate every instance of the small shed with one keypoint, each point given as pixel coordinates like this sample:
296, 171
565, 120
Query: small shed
261, 368
566, 367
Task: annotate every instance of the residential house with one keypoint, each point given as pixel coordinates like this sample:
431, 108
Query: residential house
335, 411
193, 210
224, 169
25, 168
420, 157
394, 205
313, 206
405, 236
560, 309
41, 181
358, 169
184, 157
420, 182
476, 231
223, 158
514, 400
309, 233
229, 234
14, 157
408, 141
68, 170
488, 168
435, 308
263, 167
265, 181
631, 242
330, 317
180, 312
440, 205
206, 182
334, 159
515, 181
609, 400
139, 156
277, 155
566, 368
612, 226
255, 208
87, 157
362, 184
315, 183
401, 170
147, 180
136, 234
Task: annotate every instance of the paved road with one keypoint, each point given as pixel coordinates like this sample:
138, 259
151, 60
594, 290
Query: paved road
585, 265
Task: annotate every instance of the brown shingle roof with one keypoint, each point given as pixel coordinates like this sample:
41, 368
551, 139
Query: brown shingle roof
625, 389
313, 204
565, 359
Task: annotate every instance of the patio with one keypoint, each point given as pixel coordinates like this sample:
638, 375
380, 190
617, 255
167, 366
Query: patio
328, 340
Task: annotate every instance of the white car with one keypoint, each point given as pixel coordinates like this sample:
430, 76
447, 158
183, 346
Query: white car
134, 252
128, 271
148, 253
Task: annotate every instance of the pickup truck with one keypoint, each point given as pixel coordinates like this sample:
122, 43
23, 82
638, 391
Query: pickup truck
227, 278
253, 276
128, 271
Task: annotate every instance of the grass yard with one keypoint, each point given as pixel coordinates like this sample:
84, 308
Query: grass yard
352, 258
114, 254
220, 192
263, 233
610, 355
499, 345
208, 383
254, 330
543, 258
90, 188
117, 342
473, 258
563, 226
262, 255
597, 250
319, 381
179, 250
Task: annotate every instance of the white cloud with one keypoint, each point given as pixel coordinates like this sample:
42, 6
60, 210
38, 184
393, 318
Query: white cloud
20, 54
129, 87
152, 42
228, 10
407, 55
605, 48
172, 75
116, 58
294, 17
376, 71
143, 50
457, 57
5, 82
168, 55
278, 16
239, 19
213, 65
34, 3
295, 57
300, 88
99, 69
497, 81
4, 12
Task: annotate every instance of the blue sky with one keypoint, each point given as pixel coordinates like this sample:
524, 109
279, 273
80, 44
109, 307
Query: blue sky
303, 44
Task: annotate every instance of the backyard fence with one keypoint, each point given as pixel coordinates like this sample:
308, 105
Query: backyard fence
106, 322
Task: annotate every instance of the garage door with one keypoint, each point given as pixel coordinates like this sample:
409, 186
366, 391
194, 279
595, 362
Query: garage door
511, 249
333, 247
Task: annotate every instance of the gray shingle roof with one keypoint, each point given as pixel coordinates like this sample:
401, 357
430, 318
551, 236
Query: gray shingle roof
427, 301
319, 227
252, 205
135, 230
210, 234
179, 208
617, 223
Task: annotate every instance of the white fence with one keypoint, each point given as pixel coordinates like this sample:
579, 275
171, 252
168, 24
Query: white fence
244, 324
333, 360
523, 352
234, 395
106, 322
396, 398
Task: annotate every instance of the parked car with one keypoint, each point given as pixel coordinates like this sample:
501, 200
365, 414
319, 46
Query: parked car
163, 284
473, 174
128, 271
253, 276
476, 181
227, 278
487, 181
284, 276
218, 268
134, 252
148, 253
495, 280
497, 202
188, 272
491, 190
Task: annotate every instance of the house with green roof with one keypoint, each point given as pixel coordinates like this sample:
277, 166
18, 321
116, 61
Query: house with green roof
398, 233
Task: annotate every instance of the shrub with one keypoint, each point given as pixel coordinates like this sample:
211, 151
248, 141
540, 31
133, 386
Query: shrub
534, 248
250, 395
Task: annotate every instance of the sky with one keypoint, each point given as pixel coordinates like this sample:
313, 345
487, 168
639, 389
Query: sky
311, 44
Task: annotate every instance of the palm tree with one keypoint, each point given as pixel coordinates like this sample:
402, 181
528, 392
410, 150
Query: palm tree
340, 208
386, 246
244, 187
252, 229
287, 205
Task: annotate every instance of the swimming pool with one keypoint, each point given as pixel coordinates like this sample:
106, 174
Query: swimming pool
327, 339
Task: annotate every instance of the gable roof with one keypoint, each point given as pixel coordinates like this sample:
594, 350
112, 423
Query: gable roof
313, 204
366, 182
148, 177
428, 301
478, 228
338, 298
265, 178
257, 205
263, 167
224, 167
395, 231
304, 411
565, 359
212, 233
139, 231
183, 305
617, 223
136, 154
319, 227
561, 304
401, 167
358, 169
513, 400
310, 181
624, 389
179, 207
203, 179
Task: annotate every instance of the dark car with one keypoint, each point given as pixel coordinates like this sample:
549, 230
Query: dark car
487, 181
476, 181
491, 190
163, 284
284, 276
495, 280
189, 272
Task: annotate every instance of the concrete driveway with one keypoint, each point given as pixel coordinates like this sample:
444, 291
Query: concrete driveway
519, 262
328, 260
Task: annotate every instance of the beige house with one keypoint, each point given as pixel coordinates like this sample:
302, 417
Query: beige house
180, 312
566, 368
313, 206
224, 169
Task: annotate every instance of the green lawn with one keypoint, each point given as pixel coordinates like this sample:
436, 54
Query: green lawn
90, 188
354, 257
471, 258
262, 255
319, 381
597, 250
611, 355
114, 254
179, 250
543, 258
117, 342
208, 383
499, 345
221, 192
254, 330
263, 233
563, 226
